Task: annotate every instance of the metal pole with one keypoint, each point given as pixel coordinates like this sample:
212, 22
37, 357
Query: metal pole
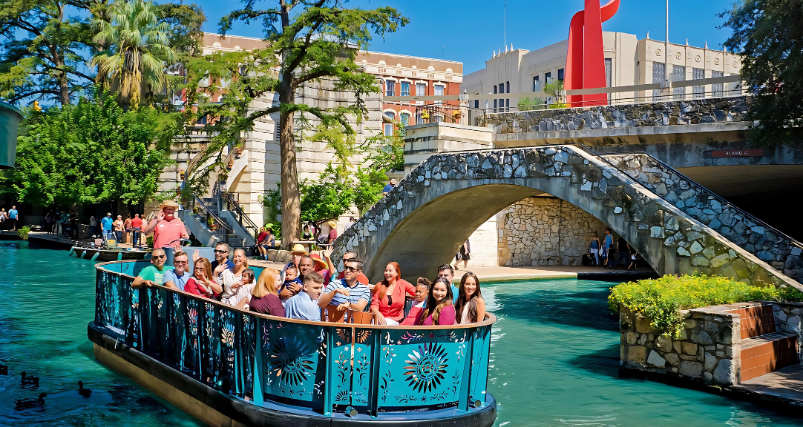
666, 49
505, 26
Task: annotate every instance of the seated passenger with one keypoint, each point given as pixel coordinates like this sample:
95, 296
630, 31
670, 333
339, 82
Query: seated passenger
305, 265
265, 297
389, 295
421, 292
362, 278
446, 271
470, 306
231, 279
177, 277
292, 282
439, 309
346, 293
304, 306
153, 274
201, 282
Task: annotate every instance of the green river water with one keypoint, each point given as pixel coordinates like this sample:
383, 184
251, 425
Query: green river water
554, 357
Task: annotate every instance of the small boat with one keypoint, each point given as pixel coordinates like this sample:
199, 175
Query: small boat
118, 254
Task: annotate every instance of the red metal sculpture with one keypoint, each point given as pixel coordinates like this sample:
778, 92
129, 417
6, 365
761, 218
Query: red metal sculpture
585, 63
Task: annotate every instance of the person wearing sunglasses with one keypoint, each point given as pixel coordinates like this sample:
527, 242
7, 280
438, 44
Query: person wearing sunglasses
346, 293
179, 275
389, 295
362, 278
153, 274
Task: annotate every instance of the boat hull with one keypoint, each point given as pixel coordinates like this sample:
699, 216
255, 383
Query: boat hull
107, 255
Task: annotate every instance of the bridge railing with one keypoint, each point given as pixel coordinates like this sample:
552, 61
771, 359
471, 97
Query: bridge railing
309, 366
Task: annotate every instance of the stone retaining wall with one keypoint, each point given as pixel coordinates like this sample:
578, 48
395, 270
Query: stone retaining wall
707, 351
717, 110
788, 318
545, 231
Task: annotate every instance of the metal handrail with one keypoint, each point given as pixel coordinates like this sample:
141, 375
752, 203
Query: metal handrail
239, 213
719, 198
217, 219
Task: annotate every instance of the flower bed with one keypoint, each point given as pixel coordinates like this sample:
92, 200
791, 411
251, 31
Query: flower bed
661, 300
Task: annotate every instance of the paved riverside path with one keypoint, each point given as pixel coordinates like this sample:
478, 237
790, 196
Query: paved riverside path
783, 387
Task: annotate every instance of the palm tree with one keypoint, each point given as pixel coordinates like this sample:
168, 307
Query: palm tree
137, 52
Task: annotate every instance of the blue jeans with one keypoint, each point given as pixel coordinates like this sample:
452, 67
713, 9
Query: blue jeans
136, 232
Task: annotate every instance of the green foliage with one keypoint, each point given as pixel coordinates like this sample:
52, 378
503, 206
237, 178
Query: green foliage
327, 198
23, 232
768, 34
307, 41
93, 152
527, 104
386, 152
661, 300
555, 90
137, 51
368, 187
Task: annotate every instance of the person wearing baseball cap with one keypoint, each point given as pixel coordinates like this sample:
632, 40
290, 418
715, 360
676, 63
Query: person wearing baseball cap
106, 225
167, 229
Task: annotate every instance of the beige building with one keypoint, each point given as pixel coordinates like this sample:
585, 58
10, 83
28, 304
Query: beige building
628, 62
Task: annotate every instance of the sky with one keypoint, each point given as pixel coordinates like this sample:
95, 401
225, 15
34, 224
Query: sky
470, 30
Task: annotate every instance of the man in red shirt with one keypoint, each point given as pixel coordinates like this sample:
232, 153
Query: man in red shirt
136, 225
167, 229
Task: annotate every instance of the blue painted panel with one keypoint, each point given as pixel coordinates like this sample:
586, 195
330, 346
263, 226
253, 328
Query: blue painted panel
479, 364
291, 354
421, 367
340, 357
364, 340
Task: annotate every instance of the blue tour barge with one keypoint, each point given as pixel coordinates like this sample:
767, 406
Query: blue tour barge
229, 367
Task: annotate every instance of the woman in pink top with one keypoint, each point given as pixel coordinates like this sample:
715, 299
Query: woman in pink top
387, 300
439, 309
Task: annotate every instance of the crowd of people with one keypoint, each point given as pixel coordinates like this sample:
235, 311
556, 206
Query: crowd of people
602, 253
310, 288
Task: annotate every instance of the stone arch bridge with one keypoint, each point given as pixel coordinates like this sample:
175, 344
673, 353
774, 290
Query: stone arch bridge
423, 221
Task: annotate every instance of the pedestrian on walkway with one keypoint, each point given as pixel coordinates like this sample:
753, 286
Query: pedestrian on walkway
13, 217
3, 219
106, 224
624, 251
136, 227
389, 186
93, 226
49, 222
608, 245
594, 247
464, 254
127, 228
118, 229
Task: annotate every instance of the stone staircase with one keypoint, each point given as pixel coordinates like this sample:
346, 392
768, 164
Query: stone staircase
231, 236
770, 245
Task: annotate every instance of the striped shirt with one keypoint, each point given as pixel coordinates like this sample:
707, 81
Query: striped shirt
358, 292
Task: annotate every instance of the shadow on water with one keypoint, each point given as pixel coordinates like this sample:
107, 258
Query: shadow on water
586, 309
601, 362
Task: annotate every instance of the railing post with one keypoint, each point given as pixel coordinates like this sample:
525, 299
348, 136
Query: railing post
329, 390
373, 385
259, 397
465, 384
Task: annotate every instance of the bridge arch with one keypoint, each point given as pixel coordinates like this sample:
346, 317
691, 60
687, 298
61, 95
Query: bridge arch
423, 221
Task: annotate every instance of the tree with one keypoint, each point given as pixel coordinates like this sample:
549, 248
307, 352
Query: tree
138, 51
311, 40
527, 104
43, 50
93, 152
768, 34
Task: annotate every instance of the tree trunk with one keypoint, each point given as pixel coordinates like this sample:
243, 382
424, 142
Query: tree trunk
291, 198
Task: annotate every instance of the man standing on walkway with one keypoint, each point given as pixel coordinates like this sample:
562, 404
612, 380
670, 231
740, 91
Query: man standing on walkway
106, 225
13, 216
136, 227
167, 229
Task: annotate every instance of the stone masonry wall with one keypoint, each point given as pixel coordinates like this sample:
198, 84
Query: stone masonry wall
717, 110
707, 351
545, 231
750, 233
789, 318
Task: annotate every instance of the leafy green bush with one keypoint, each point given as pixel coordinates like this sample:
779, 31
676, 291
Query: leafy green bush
23, 232
661, 300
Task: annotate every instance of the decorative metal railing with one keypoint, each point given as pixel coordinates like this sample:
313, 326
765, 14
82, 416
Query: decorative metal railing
320, 367
242, 218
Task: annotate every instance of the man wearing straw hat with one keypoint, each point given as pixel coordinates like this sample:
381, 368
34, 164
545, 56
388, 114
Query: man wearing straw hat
167, 229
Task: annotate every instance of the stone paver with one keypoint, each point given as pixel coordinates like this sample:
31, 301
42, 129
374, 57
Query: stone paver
784, 385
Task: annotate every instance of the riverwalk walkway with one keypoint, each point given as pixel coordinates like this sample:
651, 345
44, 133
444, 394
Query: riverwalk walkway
782, 389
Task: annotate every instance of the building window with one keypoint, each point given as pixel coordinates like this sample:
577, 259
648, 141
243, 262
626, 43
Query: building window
501, 88
405, 89
421, 90
495, 101
657, 77
438, 92
548, 77
507, 105
501, 105
390, 88
536, 84
698, 91
477, 103
608, 72
389, 126
679, 75
560, 72
507, 87
717, 87
419, 119
495, 90
404, 118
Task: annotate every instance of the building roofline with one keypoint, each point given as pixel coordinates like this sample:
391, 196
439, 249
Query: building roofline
234, 36
411, 56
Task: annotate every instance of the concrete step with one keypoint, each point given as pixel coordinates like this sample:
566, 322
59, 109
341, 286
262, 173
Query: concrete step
768, 353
